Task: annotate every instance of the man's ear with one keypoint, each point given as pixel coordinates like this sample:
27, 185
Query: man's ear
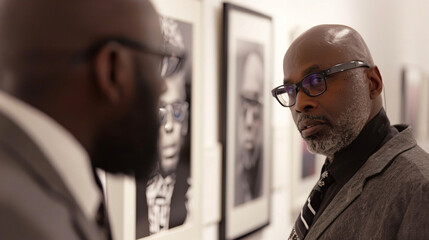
375, 82
113, 73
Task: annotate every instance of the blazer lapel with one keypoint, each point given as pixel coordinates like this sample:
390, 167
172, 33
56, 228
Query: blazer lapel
31, 158
353, 188
27, 153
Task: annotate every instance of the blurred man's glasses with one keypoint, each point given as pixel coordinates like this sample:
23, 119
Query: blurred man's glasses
313, 84
178, 111
171, 61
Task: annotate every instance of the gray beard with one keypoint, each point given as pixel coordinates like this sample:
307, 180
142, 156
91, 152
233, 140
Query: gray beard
347, 126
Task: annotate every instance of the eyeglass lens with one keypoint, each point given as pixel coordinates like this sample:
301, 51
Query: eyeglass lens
177, 110
312, 85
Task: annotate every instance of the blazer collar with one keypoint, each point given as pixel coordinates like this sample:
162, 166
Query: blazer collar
375, 164
30, 157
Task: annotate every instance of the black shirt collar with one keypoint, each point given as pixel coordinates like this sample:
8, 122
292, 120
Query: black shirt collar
348, 160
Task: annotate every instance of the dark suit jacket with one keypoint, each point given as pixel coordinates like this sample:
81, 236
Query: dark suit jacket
248, 182
388, 198
178, 211
34, 201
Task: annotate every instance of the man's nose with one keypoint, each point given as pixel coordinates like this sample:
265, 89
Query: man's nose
303, 102
249, 117
169, 124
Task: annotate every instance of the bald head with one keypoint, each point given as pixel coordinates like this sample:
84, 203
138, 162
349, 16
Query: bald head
348, 98
324, 46
342, 40
253, 77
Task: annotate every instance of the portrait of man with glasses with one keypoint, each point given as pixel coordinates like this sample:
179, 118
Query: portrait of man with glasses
249, 126
162, 202
375, 180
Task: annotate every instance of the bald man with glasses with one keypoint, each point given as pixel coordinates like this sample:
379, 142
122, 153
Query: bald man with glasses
375, 180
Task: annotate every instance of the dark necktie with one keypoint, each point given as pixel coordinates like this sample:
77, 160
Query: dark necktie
305, 218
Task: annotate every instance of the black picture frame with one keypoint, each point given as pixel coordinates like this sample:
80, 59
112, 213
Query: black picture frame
245, 121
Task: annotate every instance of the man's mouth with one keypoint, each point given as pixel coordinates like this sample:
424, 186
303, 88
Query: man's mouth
310, 125
169, 151
311, 129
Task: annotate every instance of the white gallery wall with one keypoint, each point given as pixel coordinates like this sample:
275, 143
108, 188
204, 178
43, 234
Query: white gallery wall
396, 33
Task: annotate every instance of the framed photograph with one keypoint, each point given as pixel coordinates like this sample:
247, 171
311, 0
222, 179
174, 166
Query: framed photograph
168, 204
412, 99
245, 130
305, 171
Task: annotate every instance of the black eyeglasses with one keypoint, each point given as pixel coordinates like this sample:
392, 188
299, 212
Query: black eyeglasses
171, 61
313, 84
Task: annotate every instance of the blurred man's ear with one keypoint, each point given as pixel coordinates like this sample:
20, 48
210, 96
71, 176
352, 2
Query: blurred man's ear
113, 73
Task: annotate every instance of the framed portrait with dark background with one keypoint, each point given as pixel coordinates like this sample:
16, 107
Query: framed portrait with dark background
245, 121
162, 201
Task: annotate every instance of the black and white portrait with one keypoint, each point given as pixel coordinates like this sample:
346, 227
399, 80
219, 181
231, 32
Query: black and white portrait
245, 112
249, 123
163, 201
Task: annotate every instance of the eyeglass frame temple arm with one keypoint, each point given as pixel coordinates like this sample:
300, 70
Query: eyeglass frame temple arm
345, 66
94, 48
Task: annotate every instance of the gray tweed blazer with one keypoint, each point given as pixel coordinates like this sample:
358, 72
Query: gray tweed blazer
388, 198
34, 201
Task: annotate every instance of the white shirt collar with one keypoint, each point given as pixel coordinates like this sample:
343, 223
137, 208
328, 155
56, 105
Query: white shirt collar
64, 152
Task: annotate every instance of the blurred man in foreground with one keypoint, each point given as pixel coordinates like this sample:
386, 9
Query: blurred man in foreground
79, 88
